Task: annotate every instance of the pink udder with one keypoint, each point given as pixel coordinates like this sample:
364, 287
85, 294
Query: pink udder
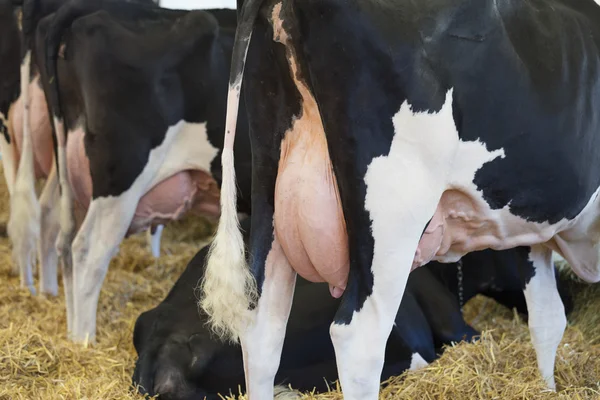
41, 130
174, 196
79, 169
309, 221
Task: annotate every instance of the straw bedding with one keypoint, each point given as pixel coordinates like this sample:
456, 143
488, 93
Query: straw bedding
36, 362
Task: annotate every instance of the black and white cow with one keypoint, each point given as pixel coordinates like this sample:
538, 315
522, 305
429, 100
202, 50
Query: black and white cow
388, 134
26, 144
138, 97
179, 359
19, 85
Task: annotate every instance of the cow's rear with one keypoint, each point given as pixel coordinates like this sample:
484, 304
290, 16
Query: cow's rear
387, 135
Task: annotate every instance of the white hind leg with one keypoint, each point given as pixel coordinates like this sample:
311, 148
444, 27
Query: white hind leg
97, 241
66, 223
360, 331
24, 221
263, 341
547, 320
63, 247
50, 226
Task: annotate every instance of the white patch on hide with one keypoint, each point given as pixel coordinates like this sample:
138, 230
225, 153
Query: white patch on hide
417, 362
403, 190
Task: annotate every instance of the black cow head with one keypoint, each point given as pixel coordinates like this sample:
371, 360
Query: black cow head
171, 361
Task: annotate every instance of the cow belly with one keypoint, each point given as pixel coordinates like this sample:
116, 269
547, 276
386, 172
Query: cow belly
309, 221
41, 130
170, 199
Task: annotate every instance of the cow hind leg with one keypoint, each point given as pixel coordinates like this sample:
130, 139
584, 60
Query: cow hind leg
395, 214
97, 241
359, 332
66, 230
24, 221
547, 319
50, 227
360, 342
262, 342
64, 240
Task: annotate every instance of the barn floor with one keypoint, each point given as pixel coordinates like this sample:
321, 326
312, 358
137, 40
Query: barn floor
36, 362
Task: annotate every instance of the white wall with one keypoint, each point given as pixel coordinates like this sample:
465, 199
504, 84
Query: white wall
197, 4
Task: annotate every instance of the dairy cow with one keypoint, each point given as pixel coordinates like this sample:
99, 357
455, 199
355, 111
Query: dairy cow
138, 99
27, 145
19, 85
179, 359
388, 134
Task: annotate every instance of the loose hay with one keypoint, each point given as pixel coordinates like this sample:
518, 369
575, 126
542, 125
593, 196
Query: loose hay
36, 362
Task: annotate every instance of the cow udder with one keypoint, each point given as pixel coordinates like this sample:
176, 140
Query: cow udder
41, 130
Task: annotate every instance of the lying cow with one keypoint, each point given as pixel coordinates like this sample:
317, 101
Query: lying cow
138, 96
389, 134
179, 359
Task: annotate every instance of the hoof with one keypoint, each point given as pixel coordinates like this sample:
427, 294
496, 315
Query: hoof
31, 289
49, 291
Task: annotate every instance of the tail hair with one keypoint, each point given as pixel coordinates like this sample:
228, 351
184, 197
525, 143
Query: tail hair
229, 289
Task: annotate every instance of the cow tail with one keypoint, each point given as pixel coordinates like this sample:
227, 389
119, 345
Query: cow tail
63, 18
229, 289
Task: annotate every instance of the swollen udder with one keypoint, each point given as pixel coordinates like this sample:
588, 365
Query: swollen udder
41, 130
168, 200
309, 221
308, 217
173, 197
